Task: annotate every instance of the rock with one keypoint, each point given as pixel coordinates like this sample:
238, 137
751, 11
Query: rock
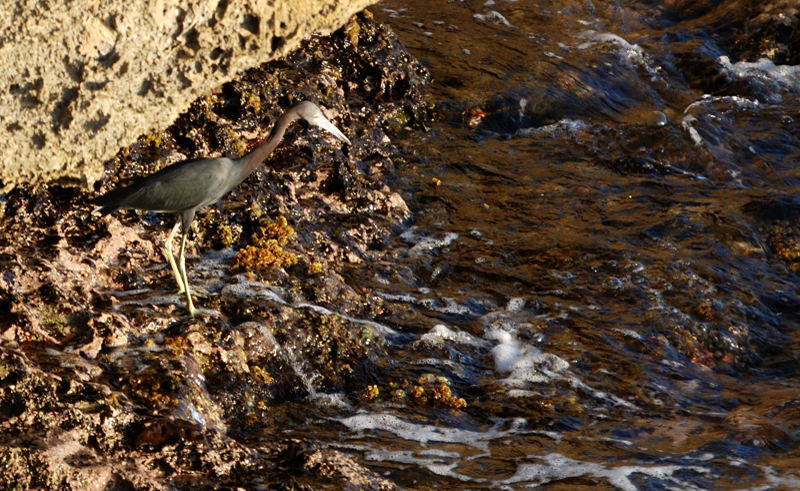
104, 385
84, 78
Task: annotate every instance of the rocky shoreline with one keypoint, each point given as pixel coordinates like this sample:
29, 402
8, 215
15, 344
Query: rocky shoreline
105, 382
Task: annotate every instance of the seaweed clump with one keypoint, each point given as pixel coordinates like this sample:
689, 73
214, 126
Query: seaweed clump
267, 253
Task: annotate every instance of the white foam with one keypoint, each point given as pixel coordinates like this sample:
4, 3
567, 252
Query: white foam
629, 333
423, 244
433, 460
777, 78
515, 304
598, 394
532, 470
507, 353
398, 297
495, 16
523, 363
444, 305
428, 244
395, 14
450, 306
708, 103
568, 126
776, 481
632, 55
422, 433
440, 333
558, 467
331, 400
261, 291
527, 365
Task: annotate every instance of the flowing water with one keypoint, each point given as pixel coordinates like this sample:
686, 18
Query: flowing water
600, 262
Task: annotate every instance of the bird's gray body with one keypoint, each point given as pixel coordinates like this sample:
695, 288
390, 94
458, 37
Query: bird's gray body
186, 186
180, 188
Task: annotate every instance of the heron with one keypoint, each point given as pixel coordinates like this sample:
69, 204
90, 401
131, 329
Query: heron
189, 185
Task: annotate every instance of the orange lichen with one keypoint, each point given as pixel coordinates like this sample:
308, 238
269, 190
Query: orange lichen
225, 235
433, 390
705, 311
279, 230
787, 247
370, 392
150, 388
267, 254
317, 267
262, 375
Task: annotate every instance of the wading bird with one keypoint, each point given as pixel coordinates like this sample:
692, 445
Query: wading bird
186, 186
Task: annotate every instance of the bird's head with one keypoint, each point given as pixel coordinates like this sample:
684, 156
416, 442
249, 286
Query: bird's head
311, 113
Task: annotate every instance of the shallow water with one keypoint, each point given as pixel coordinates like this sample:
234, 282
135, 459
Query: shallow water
600, 260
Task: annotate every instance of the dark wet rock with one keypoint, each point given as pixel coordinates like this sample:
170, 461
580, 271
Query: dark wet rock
750, 39
757, 29
758, 432
772, 31
303, 457
103, 382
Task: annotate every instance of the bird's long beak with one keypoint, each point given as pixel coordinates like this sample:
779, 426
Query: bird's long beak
328, 126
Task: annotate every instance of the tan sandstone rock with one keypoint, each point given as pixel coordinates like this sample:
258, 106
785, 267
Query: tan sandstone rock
80, 79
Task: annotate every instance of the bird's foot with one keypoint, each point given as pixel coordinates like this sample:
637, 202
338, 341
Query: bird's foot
194, 293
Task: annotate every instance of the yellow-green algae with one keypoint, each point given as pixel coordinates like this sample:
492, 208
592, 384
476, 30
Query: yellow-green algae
267, 253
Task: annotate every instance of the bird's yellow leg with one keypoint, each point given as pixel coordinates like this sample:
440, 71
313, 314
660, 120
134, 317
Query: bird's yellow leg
171, 259
185, 288
174, 264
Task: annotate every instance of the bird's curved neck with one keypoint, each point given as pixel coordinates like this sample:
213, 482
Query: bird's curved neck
250, 161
